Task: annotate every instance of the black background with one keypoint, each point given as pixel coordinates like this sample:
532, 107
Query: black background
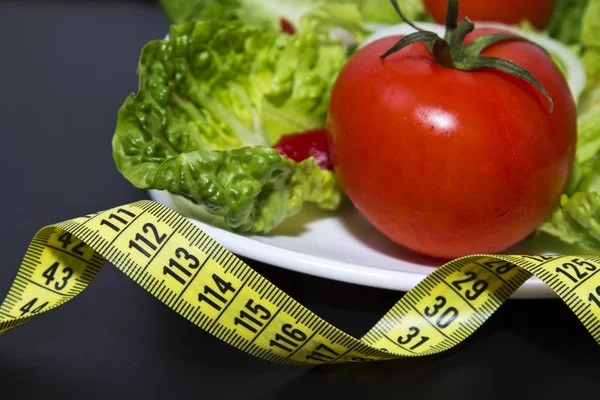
65, 68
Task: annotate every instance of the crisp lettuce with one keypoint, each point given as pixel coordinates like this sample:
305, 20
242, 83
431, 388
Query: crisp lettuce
577, 23
256, 13
252, 188
590, 41
182, 11
333, 17
565, 23
381, 11
213, 97
267, 13
576, 220
588, 134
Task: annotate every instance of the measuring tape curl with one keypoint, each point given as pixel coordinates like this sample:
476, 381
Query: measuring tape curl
199, 279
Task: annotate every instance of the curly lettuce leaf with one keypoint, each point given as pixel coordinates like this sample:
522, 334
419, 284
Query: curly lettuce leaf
565, 22
576, 220
333, 17
588, 134
210, 99
590, 40
251, 188
267, 13
577, 23
382, 11
257, 13
182, 11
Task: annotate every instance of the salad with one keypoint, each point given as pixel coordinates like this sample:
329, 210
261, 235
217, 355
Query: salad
224, 102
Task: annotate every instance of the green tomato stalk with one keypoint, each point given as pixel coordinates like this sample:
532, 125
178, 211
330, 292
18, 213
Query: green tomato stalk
451, 51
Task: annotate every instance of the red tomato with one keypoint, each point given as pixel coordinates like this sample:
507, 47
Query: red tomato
447, 162
507, 11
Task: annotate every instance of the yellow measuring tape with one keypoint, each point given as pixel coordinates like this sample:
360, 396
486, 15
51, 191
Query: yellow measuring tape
199, 279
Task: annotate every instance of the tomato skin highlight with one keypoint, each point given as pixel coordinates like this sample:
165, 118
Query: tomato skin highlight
538, 12
445, 162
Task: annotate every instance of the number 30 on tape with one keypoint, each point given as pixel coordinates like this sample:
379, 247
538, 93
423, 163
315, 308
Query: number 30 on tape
196, 277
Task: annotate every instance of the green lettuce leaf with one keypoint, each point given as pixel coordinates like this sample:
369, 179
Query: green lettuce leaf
257, 13
576, 220
591, 60
252, 188
382, 11
577, 24
590, 40
326, 19
267, 13
182, 11
211, 99
565, 22
588, 134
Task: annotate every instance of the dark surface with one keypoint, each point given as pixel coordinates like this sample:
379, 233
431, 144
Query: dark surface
65, 68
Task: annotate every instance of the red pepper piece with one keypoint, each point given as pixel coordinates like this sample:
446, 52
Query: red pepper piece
286, 26
300, 146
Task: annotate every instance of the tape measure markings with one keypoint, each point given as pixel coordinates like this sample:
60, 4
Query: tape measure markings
585, 279
239, 306
470, 327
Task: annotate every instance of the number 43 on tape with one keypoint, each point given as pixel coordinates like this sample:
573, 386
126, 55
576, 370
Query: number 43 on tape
196, 277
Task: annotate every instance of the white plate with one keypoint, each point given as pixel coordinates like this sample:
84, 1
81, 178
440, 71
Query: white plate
344, 246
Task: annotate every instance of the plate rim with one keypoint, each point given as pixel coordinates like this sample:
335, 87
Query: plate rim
325, 268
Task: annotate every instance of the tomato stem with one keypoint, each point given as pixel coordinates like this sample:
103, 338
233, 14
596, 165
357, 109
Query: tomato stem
451, 17
458, 36
442, 53
451, 51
